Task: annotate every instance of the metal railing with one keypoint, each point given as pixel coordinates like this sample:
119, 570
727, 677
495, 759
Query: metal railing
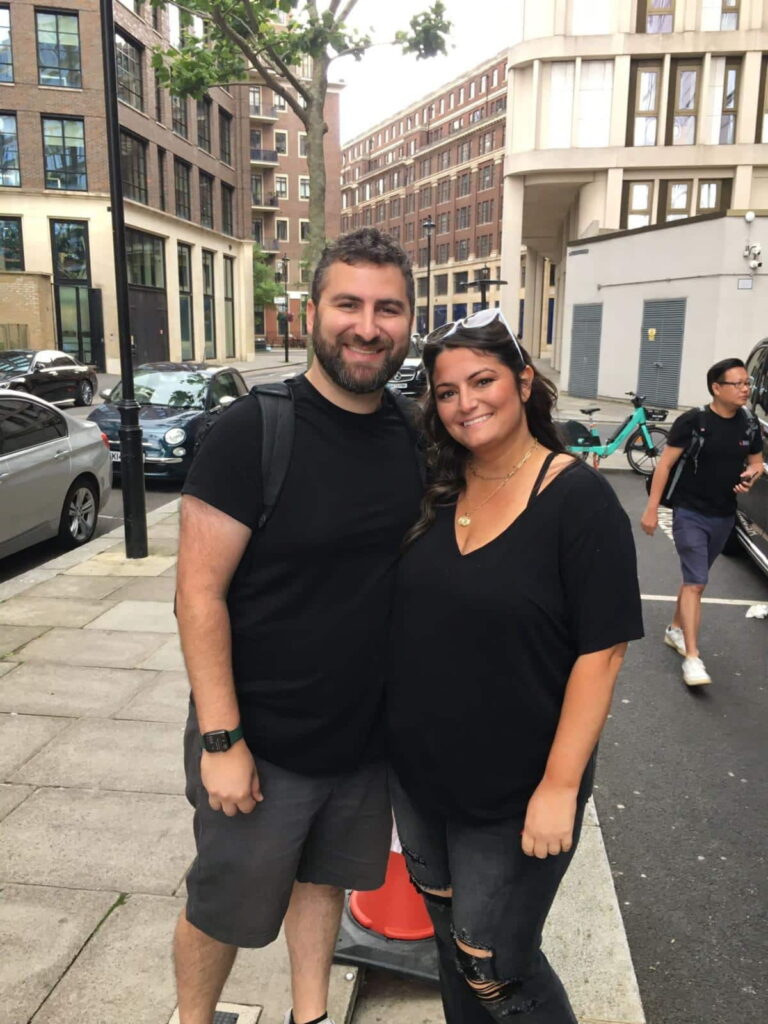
266, 156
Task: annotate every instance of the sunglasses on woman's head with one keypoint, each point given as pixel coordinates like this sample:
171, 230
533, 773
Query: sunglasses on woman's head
474, 322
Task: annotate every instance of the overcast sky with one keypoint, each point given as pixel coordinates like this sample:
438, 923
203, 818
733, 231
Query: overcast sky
385, 82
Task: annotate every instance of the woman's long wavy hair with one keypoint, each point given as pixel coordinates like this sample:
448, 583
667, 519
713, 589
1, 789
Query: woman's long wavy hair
446, 458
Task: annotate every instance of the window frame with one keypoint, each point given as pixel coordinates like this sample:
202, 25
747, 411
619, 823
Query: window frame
139, 165
730, 9
203, 110
47, 118
208, 261
287, 223
304, 187
182, 165
21, 267
186, 293
225, 136
180, 125
729, 115
676, 112
637, 211
58, 13
282, 190
672, 214
284, 135
638, 114
205, 190
9, 62
133, 52
229, 308
17, 169
227, 209
665, 9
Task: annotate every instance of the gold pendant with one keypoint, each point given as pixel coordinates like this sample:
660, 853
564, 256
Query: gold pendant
464, 520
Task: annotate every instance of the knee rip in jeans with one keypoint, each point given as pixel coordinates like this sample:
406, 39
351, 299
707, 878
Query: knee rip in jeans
477, 965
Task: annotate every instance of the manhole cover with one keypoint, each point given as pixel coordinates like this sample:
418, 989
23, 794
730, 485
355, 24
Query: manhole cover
225, 1018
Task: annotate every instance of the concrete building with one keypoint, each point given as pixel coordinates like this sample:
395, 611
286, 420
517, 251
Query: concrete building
636, 141
189, 192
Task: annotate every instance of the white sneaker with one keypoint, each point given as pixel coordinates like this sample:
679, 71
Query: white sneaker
673, 637
694, 672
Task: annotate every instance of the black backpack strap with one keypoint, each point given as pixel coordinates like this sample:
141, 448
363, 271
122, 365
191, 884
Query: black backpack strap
277, 421
408, 411
752, 425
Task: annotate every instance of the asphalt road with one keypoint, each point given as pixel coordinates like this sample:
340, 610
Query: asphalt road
682, 797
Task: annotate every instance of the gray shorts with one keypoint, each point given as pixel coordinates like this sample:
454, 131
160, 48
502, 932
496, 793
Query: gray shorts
699, 539
329, 831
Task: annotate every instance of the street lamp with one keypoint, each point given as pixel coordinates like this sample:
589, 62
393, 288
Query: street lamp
284, 277
429, 227
484, 282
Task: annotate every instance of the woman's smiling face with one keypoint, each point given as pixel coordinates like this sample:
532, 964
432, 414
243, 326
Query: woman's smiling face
477, 397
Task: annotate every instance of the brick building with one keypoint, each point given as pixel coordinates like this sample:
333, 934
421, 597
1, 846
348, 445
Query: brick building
187, 180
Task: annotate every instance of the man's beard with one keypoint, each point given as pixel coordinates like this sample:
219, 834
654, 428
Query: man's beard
358, 380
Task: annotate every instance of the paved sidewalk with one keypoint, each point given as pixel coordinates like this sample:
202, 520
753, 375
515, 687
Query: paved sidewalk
96, 837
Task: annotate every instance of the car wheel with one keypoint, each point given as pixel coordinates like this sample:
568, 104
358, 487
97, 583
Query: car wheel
84, 394
80, 514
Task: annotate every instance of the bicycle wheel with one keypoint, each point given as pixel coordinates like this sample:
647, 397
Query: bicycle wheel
638, 456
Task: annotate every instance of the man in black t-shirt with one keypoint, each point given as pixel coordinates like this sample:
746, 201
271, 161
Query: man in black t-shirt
727, 462
283, 632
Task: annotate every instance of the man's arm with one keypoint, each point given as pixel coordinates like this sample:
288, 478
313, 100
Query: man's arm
211, 545
755, 467
664, 466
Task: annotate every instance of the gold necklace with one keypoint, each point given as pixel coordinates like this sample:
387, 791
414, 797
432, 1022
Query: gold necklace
465, 519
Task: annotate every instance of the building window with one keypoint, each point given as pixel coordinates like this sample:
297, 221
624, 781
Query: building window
133, 166
303, 188
281, 143
227, 209
69, 244
443, 223
409, 231
425, 197
464, 184
58, 50
730, 104
395, 207
179, 118
144, 259
462, 249
186, 320
683, 122
485, 177
675, 199
257, 189
281, 229
229, 307
714, 195
410, 202
425, 167
206, 200
486, 142
303, 144
638, 197
484, 246
225, 137
279, 101
6, 51
461, 282
442, 253
762, 111
464, 152
444, 190
441, 284
64, 153
209, 305
181, 175
257, 231
463, 217
204, 124
485, 212
729, 18
128, 63
647, 89
656, 16
10, 172
304, 230
11, 246
158, 103
281, 186
444, 160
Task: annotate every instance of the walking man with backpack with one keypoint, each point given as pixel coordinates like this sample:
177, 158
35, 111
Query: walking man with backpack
713, 454
285, 569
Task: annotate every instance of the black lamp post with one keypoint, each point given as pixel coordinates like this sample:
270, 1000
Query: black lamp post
429, 227
283, 275
484, 282
131, 453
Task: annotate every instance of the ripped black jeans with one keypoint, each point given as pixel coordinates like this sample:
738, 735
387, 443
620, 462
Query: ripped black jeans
500, 901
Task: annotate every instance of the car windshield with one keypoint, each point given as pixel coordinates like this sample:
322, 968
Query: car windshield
15, 362
413, 351
183, 390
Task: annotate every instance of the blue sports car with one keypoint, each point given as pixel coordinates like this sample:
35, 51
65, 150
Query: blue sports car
177, 400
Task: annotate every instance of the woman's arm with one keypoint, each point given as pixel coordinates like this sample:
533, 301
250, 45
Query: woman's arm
552, 807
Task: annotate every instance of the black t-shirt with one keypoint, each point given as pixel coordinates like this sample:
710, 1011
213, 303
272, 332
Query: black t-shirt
483, 644
706, 483
309, 603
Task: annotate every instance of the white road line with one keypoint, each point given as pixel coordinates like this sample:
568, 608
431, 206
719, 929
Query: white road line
704, 600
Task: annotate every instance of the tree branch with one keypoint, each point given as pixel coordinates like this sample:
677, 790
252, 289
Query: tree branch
347, 10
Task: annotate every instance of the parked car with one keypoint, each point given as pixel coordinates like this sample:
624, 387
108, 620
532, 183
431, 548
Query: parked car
177, 401
752, 515
53, 375
55, 474
411, 378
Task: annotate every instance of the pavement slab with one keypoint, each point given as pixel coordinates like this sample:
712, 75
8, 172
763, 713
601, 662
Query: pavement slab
12, 796
164, 531
166, 658
45, 928
85, 588
166, 699
384, 996
21, 736
170, 572
111, 761
7, 666
77, 555
96, 647
13, 637
137, 616
121, 842
50, 611
124, 975
114, 563
157, 588
17, 584
46, 688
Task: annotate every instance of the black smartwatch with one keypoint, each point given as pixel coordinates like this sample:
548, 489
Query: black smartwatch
220, 740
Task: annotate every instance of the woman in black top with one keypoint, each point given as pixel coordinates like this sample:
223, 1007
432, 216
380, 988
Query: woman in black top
516, 596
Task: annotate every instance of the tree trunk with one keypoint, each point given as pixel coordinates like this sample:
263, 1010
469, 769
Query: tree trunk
316, 130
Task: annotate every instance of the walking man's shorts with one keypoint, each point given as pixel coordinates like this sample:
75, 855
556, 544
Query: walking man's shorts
699, 539
333, 830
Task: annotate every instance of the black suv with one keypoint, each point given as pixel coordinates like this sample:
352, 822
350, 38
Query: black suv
752, 516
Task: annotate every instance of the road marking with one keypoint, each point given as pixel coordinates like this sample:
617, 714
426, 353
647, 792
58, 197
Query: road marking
704, 600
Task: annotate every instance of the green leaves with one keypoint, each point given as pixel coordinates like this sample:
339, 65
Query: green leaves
427, 35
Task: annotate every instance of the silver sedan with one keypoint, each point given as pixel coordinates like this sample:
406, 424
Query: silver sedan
55, 474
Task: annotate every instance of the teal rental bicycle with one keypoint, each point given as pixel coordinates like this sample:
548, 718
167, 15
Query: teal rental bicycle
644, 442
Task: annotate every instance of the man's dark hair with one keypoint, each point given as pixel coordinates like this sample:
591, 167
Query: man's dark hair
367, 245
715, 373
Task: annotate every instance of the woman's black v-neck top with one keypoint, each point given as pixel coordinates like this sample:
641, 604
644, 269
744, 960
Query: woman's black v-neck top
482, 644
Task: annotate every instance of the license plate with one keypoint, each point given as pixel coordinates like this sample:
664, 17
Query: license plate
115, 456
401, 385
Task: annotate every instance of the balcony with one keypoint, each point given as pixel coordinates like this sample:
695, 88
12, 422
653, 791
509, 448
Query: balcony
271, 245
269, 205
264, 156
263, 113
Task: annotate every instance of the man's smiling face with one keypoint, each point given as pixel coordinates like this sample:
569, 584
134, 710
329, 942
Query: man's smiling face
361, 325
